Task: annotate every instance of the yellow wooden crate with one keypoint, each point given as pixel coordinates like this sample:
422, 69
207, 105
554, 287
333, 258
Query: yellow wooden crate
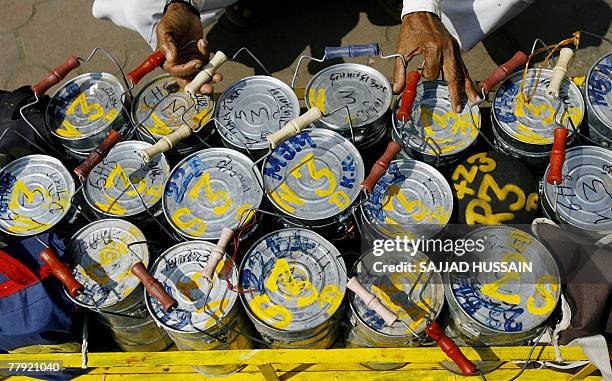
308, 364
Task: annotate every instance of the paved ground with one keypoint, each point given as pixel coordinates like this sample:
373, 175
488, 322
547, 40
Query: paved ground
36, 35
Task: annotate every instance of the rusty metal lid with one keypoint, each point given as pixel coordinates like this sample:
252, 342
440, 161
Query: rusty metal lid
35, 194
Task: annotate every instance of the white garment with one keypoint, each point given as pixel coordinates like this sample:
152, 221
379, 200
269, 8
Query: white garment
469, 21
142, 16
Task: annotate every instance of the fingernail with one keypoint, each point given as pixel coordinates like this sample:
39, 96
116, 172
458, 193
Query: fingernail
458, 108
198, 66
168, 56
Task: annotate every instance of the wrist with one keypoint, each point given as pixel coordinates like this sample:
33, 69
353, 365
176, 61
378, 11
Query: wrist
176, 4
413, 6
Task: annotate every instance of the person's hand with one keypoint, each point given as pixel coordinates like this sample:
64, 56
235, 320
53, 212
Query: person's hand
180, 38
422, 33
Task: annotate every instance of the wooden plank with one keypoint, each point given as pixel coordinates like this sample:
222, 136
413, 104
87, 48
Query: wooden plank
268, 373
425, 375
303, 356
277, 368
587, 370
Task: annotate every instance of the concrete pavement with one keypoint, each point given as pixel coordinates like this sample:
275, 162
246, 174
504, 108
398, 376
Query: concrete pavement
36, 35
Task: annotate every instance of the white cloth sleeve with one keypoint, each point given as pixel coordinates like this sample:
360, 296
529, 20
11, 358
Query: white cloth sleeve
142, 16
432, 6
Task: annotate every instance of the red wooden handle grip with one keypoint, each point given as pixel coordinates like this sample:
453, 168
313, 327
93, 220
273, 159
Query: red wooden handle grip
380, 167
153, 61
98, 154
408, 96
557, 156
61, 271
56, 75
153, 287
448, 346
502, 71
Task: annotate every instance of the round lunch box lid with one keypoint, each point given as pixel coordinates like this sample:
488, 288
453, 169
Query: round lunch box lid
253, 108
108, 189
365, 91
399, 291
209, 190
162, 107
297, 279
102, 255
432, 117
200, 302
585, 194
85, 105
510, 301
35, 194
534, 122
599, 89
313, 175
411, 199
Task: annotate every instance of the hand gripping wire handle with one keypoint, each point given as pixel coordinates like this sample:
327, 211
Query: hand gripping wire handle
502, 71
171, 140
153, 287
380, 166
557, 154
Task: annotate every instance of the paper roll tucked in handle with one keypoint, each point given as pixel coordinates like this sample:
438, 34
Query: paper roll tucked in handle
559, 72
380, 166
218, 253
294, 126
153, 287
165, 143
61, 271
207, 73
371, 301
